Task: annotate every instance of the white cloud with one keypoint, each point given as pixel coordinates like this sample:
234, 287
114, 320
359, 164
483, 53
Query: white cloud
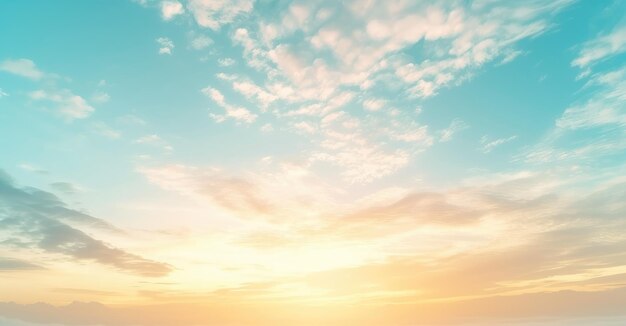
165, 45
606, 107
602, 47
253, 91
364, 163
75, 107
155, 141
22, 67
373, 104
32, 168
170, 9
304, 127
215, 13
362, 159
69, 105
214, 94
225, 62
278, 193
105, 130
267, 128
101, 97
598, 122
411, 134
201, 42
329, 64
3, 93
455, 126
239, 114
488, 145
468, 36
510, 56
336, 62
149, 139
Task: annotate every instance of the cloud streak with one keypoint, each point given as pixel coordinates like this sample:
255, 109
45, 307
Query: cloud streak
42, 221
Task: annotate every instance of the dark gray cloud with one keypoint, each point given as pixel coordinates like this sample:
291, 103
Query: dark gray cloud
34, 219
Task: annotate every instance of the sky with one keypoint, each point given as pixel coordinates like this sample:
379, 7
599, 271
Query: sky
274, 162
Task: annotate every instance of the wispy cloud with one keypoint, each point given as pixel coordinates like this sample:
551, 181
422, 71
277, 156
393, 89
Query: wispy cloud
226, 62
239, 114
11, 264
213, 14
455, 127
155, 141
105, 130
22, 67
165, 45
487, 144
45, 223
604, 46
68, 104
65, 187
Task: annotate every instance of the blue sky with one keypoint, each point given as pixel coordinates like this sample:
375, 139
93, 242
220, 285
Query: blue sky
346, 133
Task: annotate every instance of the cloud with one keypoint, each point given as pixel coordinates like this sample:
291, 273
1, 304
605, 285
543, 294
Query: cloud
171, 9
455, 126
357, 149
67, 188
493, 236
22, 67
594, 125
32, 168
267, 128
280, 194
469, 35
46, 224
536, 265
330, 63
68, 104
10, 264
362, 163
155, 141
3, 93
215, 95
236, 194
213, 14
602, 47
165, 45
304, 127
105, 130
225, 62
101, 97
239, 114
487, 145
373, 104
254, 92
606, 107
201, 42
